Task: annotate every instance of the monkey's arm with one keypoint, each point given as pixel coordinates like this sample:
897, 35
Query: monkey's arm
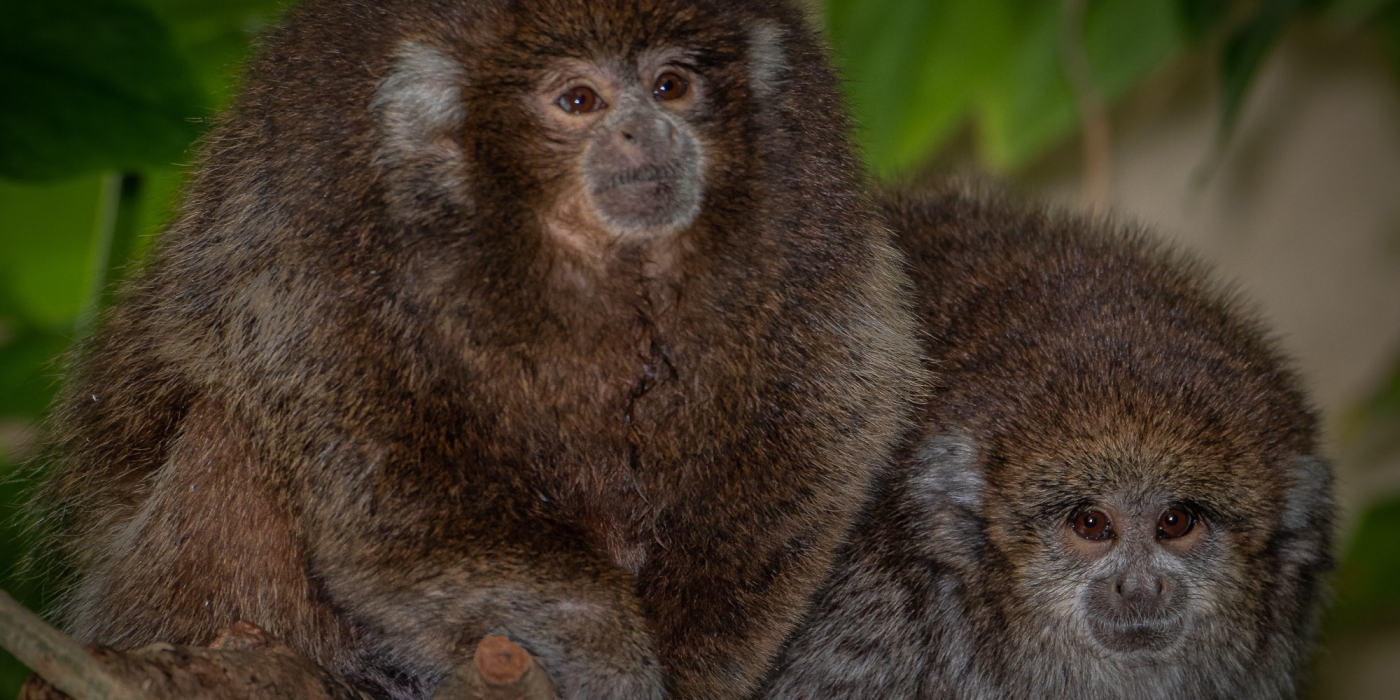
722, 599
893, 621
426, 591
839, 653
243, 663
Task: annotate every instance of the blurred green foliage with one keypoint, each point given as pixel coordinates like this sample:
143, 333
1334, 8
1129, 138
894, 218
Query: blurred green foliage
102, 100
918, 69
103, 88
1367, 597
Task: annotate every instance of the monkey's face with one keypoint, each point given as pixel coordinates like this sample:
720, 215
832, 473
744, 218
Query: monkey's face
637, 161
1147, 555
1128, 561
1138, 559
599, 127
1125, 572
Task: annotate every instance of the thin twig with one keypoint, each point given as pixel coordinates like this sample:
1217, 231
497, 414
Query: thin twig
243, 663
1093, 115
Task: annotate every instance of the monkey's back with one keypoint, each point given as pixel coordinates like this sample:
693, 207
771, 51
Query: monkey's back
1020, 302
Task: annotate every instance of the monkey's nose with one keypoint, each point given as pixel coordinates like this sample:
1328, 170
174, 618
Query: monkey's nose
644, 141
1140, 592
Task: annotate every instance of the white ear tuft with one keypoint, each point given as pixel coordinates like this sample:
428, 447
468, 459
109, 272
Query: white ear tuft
767, 63
944, 472
418, 112
419, 102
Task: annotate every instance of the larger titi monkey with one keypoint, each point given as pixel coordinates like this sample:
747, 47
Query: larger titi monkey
564, 320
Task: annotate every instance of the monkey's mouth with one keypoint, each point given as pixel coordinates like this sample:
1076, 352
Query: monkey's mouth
650, 177
647, 197
1136, 636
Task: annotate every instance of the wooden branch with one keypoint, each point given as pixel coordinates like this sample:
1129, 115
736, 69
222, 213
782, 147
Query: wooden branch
243, 663
53, 655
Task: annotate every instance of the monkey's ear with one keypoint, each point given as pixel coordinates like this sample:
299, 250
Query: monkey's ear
944, 471
1309, 494
1308, 517
944, 488
418, 115
767, 61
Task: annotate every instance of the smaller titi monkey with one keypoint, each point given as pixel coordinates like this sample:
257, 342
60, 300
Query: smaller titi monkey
1116, 492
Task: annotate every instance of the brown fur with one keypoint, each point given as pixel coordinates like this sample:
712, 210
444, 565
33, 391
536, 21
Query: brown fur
1079, 364
365, 397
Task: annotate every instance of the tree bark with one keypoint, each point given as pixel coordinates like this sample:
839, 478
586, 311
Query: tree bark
244, 663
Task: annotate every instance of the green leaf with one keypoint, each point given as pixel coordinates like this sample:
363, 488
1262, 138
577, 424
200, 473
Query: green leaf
911, 67
1128, 39
92, 85
28, 369
1198, 17
214, 35
1368, 582
1029, 107
46, 234
1245, 52
49, 268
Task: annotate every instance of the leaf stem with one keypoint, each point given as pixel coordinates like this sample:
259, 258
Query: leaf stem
114, 240
1093, 115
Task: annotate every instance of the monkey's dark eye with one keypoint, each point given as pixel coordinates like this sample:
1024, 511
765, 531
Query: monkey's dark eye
1174, 523
669, 86
1092, 525
580, 99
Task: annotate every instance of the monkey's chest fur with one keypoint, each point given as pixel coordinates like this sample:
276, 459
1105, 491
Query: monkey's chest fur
583, 428
456, 418
433, 459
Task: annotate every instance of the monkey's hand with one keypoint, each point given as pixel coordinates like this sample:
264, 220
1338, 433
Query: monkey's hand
500, 670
